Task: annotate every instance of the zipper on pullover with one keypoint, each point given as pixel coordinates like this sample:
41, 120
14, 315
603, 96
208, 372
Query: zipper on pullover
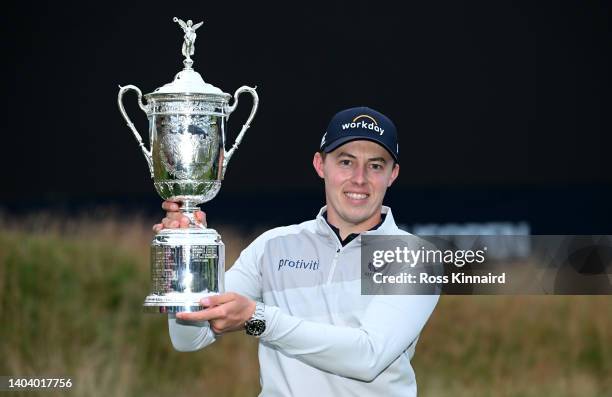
333, 265
336, 254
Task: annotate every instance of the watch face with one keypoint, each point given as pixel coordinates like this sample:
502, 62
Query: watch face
255, 327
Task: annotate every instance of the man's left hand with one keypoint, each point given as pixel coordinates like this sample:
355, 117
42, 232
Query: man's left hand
225, 312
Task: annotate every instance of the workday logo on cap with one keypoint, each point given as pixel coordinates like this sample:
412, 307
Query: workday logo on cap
361, 121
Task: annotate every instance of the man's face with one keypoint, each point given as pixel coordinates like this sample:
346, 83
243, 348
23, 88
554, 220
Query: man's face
357, 175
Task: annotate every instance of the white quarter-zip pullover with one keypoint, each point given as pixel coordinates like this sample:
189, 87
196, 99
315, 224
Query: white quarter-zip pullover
322, 337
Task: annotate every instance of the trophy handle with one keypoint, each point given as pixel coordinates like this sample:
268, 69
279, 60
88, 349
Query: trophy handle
123, 90
227, 155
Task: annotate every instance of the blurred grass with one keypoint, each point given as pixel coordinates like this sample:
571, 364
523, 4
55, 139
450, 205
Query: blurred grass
70, 305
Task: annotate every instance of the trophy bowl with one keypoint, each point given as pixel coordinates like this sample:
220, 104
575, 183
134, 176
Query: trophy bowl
187, 161
187, 145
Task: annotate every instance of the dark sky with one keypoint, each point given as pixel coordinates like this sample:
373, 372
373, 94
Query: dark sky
483, 93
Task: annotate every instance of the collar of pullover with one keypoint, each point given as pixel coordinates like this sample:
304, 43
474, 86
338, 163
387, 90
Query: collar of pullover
386, 226
351, 236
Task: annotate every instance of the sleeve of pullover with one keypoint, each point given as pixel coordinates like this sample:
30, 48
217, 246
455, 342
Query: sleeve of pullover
389, 325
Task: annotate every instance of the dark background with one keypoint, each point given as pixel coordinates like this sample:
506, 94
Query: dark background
502, 107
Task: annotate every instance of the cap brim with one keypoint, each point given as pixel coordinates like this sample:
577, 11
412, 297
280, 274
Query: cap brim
341, 141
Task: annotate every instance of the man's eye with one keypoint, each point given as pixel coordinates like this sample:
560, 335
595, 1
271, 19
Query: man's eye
345, 162
377, 166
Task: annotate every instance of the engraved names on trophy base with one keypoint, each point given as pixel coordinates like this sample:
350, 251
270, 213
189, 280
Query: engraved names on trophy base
199, 275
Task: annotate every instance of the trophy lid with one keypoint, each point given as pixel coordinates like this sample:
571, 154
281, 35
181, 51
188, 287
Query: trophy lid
188, 80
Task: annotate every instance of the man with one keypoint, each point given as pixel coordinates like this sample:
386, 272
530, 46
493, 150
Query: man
297, 288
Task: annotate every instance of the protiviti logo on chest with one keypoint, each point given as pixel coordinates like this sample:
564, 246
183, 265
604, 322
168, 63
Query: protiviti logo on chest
361, 121
312, 264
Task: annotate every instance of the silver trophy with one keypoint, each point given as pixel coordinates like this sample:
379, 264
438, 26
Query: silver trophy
187, 160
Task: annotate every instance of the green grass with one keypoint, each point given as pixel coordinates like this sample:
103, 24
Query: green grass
70, 305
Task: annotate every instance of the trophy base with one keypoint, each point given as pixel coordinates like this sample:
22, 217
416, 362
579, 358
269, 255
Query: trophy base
186, 266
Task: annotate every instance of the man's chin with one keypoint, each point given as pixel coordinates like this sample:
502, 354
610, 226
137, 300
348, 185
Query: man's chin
357, 217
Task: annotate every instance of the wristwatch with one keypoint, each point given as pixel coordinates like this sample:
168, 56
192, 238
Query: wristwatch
256, 325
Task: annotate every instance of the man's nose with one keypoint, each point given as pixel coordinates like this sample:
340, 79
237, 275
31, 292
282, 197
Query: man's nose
359, 175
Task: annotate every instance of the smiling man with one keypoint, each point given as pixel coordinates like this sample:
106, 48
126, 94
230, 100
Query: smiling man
297, 288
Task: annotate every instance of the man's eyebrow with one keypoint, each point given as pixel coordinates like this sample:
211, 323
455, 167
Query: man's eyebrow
346, 155
381, 159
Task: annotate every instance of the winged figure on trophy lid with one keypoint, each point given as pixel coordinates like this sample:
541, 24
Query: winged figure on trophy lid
190, 36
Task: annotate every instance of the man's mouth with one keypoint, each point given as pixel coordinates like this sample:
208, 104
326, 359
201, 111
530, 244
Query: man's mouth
356, 196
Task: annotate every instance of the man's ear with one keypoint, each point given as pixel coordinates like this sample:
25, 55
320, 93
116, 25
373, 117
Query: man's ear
317, 163
394, 174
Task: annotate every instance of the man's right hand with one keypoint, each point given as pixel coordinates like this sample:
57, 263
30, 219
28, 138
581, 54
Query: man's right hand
175, 219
